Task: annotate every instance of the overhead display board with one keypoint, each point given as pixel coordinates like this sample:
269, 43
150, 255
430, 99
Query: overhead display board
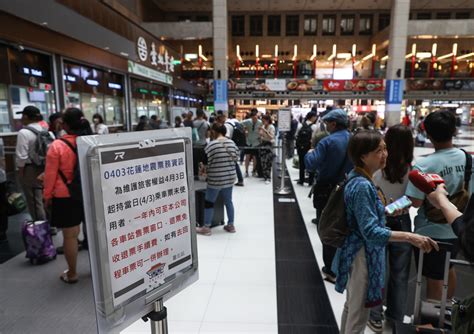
139, 200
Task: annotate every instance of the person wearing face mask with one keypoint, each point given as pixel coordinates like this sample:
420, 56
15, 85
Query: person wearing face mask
360, 261
99, 128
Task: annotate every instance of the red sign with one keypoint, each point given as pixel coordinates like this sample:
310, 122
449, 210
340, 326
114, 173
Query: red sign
353, 85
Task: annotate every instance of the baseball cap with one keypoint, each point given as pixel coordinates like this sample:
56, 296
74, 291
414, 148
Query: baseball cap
337, 115
31, 111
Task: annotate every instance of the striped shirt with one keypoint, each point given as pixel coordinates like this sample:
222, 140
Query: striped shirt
221, 157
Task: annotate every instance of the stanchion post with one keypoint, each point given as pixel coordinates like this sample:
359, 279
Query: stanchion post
282, 190
158, 318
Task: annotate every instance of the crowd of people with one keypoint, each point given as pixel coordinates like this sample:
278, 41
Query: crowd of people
373, 163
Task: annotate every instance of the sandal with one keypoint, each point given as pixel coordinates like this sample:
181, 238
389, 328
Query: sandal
66, 279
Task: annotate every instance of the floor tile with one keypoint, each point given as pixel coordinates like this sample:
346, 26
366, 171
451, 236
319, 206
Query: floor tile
229, 328
190, 304
261, 272
242, 304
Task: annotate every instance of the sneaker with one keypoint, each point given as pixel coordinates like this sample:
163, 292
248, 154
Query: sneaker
204, 230
246, 174
267, 181
314, 221
239, 184
230, 228
375, 325
329, 275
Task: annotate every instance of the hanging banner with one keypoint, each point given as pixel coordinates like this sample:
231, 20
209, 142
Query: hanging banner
394, 91
220, 95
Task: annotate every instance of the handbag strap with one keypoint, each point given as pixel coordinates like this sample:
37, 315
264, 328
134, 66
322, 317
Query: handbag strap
61, 174
228, 152
467, 170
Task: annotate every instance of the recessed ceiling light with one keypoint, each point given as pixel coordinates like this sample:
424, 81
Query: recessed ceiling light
44, 23
106, 48
124, 54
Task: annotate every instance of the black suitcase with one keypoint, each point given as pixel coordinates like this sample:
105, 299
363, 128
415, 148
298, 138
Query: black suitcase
427, 312
218, 218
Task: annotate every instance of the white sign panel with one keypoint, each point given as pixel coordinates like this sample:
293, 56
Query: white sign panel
149, 73
276, 84
284, 120
147, 215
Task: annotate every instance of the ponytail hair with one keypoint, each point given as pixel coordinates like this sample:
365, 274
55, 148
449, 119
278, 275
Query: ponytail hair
76, 122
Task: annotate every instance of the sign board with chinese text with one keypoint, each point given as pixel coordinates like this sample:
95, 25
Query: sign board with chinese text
394, 91
149, 73
284, 120
139, 199
220, 95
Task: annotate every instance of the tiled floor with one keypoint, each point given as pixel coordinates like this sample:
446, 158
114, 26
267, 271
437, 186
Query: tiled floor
236, 291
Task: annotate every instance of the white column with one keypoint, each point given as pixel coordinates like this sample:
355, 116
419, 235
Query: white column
396, 61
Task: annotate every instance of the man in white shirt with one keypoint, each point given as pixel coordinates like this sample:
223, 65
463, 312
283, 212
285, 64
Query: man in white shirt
28, 171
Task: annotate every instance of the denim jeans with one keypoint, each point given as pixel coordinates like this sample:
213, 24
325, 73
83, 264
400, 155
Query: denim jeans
399, 257
210, 199
240, 178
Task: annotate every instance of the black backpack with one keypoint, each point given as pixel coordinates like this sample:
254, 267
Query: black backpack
303, 139
332, 225
74, 187
238, 135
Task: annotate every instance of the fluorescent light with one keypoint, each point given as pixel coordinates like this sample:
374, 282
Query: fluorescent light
276, 50
374, 50
266, 56
423, 55
445, 56
257, 50
343, 55
455, 49
413, 49
190, 56
434, 49
354, 47
315, 52
466, 56
384, 58
295, 51
367, 57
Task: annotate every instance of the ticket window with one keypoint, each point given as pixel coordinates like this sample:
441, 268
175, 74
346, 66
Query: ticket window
73, 100
23, 96
4, 117
92, 104
141, 109
113, 110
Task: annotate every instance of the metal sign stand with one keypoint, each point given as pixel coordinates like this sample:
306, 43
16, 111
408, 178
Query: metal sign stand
159, 323
282, 190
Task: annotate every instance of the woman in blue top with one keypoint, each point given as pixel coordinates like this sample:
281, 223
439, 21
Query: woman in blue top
360, 262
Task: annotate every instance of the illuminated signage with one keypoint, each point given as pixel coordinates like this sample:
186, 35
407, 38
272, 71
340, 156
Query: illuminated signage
32, 71
69, 78
91, 82
112, 85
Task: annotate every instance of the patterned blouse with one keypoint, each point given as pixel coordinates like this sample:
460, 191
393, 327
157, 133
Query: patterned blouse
366, 217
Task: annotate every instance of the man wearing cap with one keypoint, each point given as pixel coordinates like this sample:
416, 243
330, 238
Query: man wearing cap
329, 159
28, 171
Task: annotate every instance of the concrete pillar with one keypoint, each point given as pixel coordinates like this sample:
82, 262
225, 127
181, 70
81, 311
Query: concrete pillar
396, 61
220, 31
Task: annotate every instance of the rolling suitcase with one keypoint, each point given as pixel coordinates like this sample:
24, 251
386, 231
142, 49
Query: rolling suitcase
218, 218
427, 312
38, 242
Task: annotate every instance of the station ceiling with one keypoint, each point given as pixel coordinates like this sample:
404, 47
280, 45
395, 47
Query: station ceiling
303, 5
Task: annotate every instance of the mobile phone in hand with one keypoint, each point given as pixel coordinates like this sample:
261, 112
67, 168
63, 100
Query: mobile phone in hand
401, 203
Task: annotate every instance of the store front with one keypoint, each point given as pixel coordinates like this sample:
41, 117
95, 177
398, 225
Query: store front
26, 79
95, 91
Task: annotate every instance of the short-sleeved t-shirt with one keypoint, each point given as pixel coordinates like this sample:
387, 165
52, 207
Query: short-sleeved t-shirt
202, 127
449, 164
253, 136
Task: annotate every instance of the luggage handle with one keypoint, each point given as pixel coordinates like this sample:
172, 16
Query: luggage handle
462, 263
417, 312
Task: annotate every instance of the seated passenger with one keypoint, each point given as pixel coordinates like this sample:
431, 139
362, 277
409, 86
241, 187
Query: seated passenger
360, 262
